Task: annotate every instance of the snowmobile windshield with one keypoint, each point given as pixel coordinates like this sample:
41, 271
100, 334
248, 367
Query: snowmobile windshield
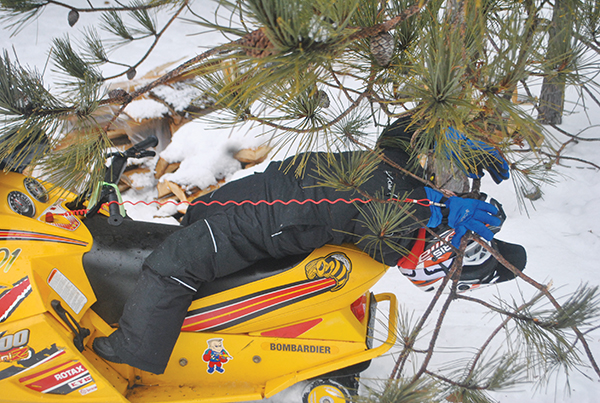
23, 154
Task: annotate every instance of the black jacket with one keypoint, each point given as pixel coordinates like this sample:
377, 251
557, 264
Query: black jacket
279, 229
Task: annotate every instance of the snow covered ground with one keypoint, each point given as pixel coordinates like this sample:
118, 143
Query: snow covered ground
561, 232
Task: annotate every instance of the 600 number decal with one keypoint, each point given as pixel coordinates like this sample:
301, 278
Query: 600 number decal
10, 341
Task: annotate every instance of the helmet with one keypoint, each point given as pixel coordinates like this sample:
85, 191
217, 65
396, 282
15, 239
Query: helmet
431, 259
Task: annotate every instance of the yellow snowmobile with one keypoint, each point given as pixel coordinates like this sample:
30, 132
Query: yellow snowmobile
64, 281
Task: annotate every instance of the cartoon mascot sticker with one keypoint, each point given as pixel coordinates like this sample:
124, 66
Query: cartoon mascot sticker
336, 266
215, 355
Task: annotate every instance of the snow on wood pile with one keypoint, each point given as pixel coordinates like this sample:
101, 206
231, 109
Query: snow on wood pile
162, 113
169, 190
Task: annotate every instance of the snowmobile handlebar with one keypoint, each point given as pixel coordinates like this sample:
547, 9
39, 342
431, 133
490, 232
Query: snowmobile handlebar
109, 192
115, 218
501, 215
116, 169
151, 141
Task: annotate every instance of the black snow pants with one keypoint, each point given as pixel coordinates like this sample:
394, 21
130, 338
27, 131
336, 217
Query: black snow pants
220, 241
154, 312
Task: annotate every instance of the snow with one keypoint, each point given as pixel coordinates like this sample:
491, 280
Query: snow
206, 169
146, 109
561, 232
178, 95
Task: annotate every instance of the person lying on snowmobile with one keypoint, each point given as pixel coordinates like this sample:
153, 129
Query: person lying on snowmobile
219, 240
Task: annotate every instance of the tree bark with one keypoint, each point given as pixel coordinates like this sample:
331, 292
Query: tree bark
552, 101
552, 96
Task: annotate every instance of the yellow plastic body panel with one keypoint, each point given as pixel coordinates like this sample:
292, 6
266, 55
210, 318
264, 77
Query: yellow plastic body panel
253, 340
348, 327
51, 369
41, 259
360, 274
255, 367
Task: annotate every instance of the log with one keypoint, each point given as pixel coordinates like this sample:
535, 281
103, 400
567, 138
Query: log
201, 192
125, 183
163, 190
253, 155
164, 167
164, 201
126, 177
182, 208
177, 190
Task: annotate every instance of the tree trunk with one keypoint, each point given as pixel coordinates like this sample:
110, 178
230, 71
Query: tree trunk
552, 100
559, 46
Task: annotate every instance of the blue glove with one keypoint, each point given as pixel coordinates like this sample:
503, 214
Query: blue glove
494, 163
471, 214
464, 215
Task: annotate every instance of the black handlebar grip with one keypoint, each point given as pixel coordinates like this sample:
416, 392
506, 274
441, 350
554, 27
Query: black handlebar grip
151, 141
115, 218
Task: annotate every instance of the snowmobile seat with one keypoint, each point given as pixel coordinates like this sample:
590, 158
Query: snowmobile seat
115, 261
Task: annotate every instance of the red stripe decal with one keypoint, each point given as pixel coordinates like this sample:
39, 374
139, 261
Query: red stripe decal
207, 320
255, 300
259, 302
28, 377
12, 298
292, 331
7, 235
59, 378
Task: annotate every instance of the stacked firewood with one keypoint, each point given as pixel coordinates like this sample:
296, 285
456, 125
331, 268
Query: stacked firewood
126, 130
171, 191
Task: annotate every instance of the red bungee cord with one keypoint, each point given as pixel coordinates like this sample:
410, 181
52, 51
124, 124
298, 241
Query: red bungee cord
421, 202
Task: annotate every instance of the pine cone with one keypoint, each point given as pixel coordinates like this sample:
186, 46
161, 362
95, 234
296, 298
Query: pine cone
117, 93
257, 44
131, 73
73, 17
382, 48
324, 101
532, 191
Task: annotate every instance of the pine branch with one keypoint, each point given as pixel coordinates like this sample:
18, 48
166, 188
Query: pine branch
113, 23
407, 333
25, 11
401, 360
497, 330
311, 129
453, 275
176, 72
547, 294
72, 64
456, 384
498, 373
247, 39
564, 157
386, 223
400, 391
135, 6
157, 35
144, 19
349, 174
576, 137
389, 24
525, 318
